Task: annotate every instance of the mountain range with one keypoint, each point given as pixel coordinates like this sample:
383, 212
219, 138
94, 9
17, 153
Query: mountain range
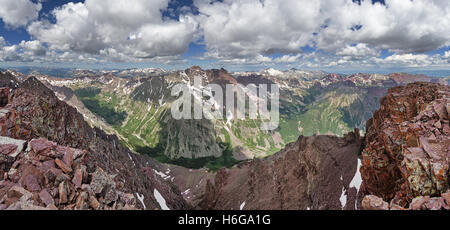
135, 106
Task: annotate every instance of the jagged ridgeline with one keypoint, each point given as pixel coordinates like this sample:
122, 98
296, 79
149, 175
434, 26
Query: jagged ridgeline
136, 106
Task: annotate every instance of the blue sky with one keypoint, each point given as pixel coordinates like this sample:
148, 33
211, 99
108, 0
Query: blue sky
331, 35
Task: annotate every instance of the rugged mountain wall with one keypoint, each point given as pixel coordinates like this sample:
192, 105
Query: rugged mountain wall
407, 155
318, 172
50, 157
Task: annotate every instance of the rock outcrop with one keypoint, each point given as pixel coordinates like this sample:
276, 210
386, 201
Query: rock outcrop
51, 176
406, 158
51, 158
318, 172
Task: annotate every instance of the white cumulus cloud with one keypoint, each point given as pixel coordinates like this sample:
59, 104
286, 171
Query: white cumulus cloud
400, 26
248, 28
338, 33
360, 50
126, 28
17, 13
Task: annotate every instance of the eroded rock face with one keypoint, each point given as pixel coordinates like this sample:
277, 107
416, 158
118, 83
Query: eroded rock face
408, 146
318, 172
64, 157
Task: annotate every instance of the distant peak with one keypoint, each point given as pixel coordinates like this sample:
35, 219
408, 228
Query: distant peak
196, 68
272, 71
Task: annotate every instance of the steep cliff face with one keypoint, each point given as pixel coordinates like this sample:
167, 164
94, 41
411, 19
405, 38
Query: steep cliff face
408, 148
50, 155
318, 172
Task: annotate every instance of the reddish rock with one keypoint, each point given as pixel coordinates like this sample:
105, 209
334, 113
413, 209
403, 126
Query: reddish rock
46, 165
41, 145
46, 198
427, 203
446, 197
19, 192
68, 158
8, 149
78, 178
63, 151
11, 147
94, 203
51, 174
440, 110
128, 198
65, 168
436, 204
81, 202
371, 202
32, 184
110, 195
419, 202
63, 190
52, 207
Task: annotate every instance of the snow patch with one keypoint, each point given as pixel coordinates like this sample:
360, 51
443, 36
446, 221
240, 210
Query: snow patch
274, 72
242, 206
186, 192
357, 180
141, 199
162, 175
343, 198
160, 199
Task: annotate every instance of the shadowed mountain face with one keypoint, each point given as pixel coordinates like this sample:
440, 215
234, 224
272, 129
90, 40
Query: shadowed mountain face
136, 107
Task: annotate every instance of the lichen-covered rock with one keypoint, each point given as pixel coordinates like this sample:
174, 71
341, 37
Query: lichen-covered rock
371, 202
